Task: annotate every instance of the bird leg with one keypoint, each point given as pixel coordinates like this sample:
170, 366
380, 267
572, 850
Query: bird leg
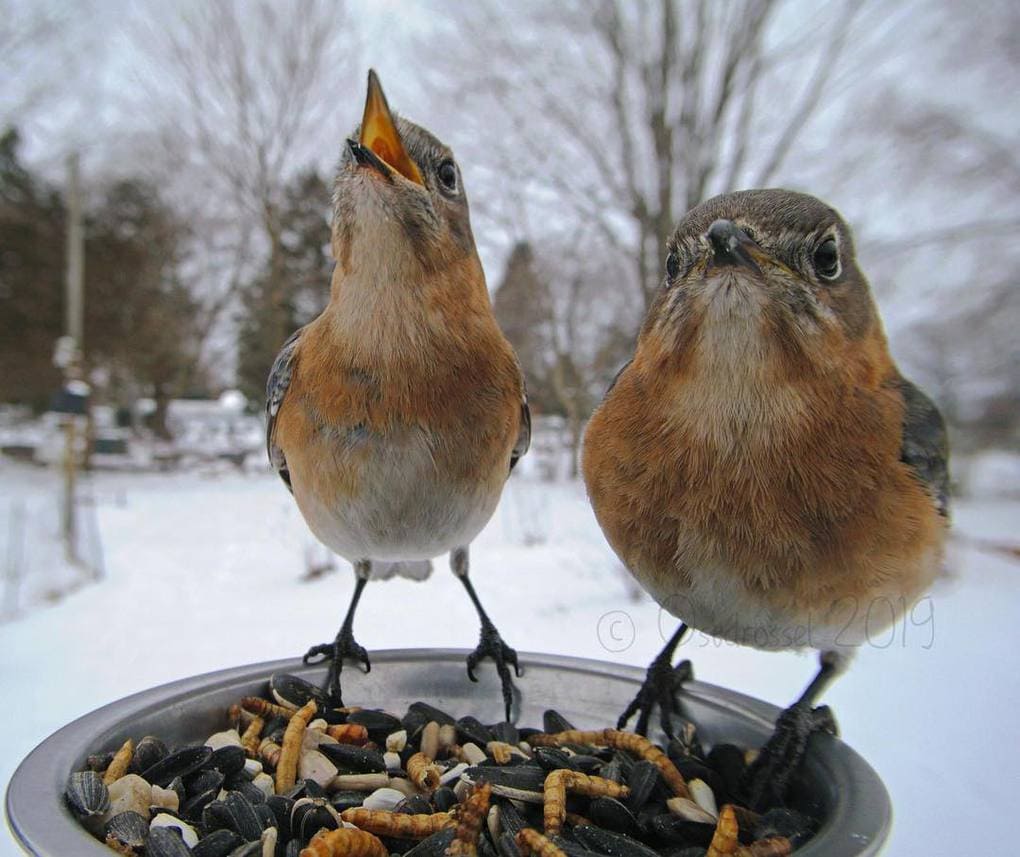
766, 781
490, 643
662, 682
344, 646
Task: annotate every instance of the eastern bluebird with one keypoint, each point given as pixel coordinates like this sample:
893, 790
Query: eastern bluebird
396, 416
760, 465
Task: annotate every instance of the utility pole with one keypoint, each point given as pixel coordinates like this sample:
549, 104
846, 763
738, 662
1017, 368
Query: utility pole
74, 331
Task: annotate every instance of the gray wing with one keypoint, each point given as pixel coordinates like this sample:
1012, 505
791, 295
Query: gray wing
276, 390
925, 447
523, 442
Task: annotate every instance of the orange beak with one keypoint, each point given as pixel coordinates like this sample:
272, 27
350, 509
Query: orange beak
379, 133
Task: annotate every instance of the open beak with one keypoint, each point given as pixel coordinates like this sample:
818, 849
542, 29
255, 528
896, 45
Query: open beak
379, 145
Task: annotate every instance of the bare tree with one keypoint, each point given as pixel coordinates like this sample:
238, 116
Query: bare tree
244, 97
643, 110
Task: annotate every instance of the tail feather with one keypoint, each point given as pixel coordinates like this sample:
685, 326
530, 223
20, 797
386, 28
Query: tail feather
418, 569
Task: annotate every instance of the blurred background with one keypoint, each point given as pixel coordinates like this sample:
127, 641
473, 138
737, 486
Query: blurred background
165, 180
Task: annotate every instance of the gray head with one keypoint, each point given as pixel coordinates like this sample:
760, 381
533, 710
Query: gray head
764, 273
398, 200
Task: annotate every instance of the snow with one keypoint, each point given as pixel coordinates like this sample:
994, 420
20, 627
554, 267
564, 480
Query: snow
202, 572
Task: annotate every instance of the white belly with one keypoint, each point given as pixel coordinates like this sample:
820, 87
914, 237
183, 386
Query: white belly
719, 605
405, 508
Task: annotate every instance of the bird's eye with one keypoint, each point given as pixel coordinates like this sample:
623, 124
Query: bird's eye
672, 265
826, 259
448, 175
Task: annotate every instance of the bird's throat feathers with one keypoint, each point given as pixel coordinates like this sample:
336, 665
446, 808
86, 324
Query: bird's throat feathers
741, 370
382, 307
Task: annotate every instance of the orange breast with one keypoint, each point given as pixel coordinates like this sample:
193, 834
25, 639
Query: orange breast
806, 503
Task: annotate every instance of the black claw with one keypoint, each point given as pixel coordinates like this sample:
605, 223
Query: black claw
491, 645
766, 781
661, 685
345, 647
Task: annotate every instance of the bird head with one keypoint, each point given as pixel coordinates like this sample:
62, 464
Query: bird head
764, 282
399, 208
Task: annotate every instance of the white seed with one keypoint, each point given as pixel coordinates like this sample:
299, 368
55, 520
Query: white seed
689, 810
447, 736
317, 725
312, 739
392, 761
430, 739
462, 789
166, 798
703, 796
265, 783
130, 792
493, 822
472, 754
405, 787
384, 798
314, 766
452, 774
268, 840
188, 833
396, 741
252, 766
359, 782
227, 738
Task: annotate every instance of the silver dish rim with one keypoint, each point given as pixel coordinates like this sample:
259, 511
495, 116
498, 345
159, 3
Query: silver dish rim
857, 825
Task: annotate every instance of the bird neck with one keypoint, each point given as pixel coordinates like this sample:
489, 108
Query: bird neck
381, 319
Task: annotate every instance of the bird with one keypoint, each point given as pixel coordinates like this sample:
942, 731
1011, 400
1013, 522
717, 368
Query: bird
396, 416
760, 465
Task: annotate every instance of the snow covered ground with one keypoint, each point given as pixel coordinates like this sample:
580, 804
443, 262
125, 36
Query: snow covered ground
193, 560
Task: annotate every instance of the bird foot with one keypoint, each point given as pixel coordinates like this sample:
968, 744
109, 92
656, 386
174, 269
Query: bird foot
344, 647
766, 781
491, 645
662, 683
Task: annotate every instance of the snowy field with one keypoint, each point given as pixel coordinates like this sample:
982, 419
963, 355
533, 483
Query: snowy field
192, 561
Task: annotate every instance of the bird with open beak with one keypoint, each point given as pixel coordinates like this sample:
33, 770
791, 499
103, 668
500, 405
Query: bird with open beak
396, 416
760, 465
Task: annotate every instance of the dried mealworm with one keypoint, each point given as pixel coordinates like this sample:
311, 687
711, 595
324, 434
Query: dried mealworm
500, 751
530, 840
559, 782
269, 752
259, 706
576, 820
554, 802
641, 746
423, 772
774, 846
119, 764
344, 842
724, 840
470, 817
571, 736
286, 767
251, 739
348, 733
234, 716
399, 824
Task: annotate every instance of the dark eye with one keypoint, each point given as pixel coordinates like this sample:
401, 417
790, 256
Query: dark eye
448, 175
672, 266
826, 259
